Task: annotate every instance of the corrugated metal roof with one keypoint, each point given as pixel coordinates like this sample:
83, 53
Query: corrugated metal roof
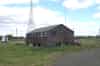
43, 29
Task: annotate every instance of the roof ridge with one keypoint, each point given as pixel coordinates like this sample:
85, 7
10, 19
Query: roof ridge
47, 28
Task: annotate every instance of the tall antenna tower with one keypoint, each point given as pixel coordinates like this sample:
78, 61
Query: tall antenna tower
30, 25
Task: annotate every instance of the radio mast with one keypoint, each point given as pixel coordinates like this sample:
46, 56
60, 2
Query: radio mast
30, 25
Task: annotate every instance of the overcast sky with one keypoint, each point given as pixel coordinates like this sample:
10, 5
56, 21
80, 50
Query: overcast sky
83, 16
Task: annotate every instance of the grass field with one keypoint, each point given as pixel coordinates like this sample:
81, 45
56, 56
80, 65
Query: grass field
90, 42
21, 55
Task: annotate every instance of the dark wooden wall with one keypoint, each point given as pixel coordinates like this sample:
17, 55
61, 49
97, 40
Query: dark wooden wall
59, 34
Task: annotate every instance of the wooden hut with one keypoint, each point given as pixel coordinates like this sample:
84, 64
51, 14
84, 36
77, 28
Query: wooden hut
53, 35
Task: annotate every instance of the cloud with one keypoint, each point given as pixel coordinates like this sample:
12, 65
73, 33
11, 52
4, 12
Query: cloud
5, 2
54, 0
84, 28
98, 8
5, 26
96, 15
45, 15
98, 1
77, 4
57, 1
42, 17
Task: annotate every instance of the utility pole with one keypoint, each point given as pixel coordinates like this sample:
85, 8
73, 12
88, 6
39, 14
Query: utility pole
16, 31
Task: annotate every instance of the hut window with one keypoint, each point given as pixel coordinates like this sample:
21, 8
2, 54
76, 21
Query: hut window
37, 34
34, 34
41, 34
45, 34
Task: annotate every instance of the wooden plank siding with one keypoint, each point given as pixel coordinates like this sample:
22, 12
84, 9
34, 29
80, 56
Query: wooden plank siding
60, 34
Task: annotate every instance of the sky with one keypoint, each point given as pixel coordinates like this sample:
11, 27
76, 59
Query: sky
82, 16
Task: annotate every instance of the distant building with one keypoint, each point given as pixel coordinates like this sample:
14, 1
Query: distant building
54, 35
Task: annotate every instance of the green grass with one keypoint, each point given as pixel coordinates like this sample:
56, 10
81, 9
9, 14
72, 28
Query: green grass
21, 55
90, 43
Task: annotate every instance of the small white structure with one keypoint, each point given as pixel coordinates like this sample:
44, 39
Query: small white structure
4, 39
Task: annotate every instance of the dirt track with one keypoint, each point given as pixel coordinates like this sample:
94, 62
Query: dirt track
82, 58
